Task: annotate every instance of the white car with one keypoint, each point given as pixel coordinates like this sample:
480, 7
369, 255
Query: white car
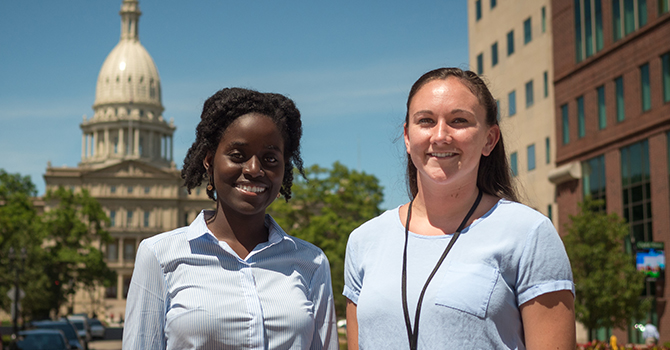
81, 323
97, 328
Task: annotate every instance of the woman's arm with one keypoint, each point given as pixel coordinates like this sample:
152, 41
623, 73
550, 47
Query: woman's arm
145, 306
352, 326
548, 321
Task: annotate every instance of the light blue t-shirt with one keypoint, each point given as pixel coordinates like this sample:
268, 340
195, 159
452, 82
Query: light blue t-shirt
507, 257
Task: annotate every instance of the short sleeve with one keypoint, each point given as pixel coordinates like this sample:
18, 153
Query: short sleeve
144, 326
544, 266
353, 273
325, 336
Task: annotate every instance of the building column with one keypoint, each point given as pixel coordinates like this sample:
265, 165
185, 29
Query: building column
94, 140
122, 142
136, 142
171, 145
150, 145
83, 146
119, 286
106, 142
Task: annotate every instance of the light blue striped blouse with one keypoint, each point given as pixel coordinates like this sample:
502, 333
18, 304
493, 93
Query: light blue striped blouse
190, 291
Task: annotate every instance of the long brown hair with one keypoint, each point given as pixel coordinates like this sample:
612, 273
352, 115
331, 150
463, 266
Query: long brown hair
494, 176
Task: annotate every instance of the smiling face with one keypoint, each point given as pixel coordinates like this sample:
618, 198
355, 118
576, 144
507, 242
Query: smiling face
248, 167
446, 133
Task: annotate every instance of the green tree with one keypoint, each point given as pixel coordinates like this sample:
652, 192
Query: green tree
18, 229
70, 260
607, 284
325, 209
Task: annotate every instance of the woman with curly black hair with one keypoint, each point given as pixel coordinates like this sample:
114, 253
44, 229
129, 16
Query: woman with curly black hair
233, 278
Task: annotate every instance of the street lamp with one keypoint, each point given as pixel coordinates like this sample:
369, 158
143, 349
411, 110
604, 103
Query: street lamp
18, 268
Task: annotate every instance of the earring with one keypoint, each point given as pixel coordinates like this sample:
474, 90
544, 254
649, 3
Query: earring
278, 195
210, 187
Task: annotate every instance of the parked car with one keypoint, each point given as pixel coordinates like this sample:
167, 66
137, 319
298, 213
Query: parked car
97, 328
81, 323
41, 339
68, 329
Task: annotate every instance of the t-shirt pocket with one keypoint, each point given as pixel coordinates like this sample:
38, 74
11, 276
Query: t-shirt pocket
467, 287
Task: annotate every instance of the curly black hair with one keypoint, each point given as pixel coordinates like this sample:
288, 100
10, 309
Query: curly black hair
228, 104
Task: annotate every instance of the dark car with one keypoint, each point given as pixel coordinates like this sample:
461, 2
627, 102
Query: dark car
68, 329
41, 339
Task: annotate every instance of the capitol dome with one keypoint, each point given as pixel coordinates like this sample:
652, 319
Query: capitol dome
129, 74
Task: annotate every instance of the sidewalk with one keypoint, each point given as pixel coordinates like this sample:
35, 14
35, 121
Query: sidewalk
105, 345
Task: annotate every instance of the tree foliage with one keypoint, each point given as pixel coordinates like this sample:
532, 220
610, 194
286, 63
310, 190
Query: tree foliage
607, 284
59, 244
324, 210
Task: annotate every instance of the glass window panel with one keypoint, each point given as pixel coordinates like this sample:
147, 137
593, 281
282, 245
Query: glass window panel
616, 19
638, 233
646, 89
510, 43
636, 192
478, 9
527, 31
578, 30
480, 63
648, 213
665, 63
602, 110
494, 54
112, 218
581, 123
599, 25
529, 94
546, 84
113, 251
531, 157
511, 102
620, 110
629, 16
493, 3
547, 147
662, 6
588, 29
513, 164
129, 250
544, 19
625, 197
641, 13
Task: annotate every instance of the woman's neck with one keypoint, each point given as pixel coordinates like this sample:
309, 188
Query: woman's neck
242, 233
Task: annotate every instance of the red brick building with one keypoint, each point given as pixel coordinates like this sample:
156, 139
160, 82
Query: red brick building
612, 100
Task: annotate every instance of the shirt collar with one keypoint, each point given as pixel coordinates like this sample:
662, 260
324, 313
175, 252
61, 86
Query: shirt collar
198, 228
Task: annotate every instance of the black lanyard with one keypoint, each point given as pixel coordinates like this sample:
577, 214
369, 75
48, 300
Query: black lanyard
413, 335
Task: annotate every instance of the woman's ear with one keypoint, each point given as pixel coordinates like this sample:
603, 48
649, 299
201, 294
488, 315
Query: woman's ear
405, 137
207, 162
492, 138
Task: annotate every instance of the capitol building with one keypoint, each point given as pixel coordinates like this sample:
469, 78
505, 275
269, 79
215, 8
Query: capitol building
127, 164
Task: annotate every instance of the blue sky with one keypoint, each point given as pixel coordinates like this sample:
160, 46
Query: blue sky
347, 64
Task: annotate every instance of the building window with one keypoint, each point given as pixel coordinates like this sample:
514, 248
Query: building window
111, 292
186, 219
531, 157
130, 189
665, 62
593, 179
636, 186
566, 124
480, 63
529, 94
511, 102
663, 6
116, 145
478, 9
494, 54
588, 28
546, 83
527, 31
581, 123
112, 253
494, 3
544, 19
620, 110
147, 189
112, 218
602, 111
550, 212
646, 89
547, 150
510, 43
129, 218
627, 16
129, 250
112, 189
146, 218
513, 164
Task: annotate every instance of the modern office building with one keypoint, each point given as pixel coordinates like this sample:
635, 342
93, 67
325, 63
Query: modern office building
612, 90
126, 163
511, 48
